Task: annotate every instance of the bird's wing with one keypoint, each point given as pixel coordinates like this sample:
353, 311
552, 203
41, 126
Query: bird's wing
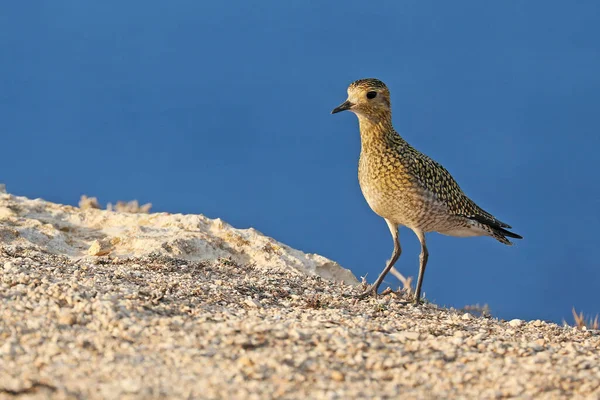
434, 178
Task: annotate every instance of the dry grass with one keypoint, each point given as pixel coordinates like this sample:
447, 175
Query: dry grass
406, 281
88, 202
478, 310
582, 321
132, 206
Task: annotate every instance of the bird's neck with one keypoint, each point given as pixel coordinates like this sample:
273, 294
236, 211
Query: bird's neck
377, 131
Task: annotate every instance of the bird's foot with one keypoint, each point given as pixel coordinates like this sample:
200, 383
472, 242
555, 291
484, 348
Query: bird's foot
417, 301
371, 291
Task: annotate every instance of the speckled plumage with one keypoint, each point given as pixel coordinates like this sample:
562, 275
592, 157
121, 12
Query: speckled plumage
406, 187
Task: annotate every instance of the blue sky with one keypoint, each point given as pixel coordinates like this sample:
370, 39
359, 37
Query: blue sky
222, 108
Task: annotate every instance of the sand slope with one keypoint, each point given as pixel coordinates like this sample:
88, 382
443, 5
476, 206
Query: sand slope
73, 232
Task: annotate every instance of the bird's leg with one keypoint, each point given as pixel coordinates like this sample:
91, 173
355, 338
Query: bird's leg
422, 264
395, 255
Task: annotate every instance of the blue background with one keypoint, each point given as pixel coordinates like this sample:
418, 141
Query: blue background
222, 108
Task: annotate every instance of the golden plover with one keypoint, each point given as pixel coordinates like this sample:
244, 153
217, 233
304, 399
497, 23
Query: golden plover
405, 187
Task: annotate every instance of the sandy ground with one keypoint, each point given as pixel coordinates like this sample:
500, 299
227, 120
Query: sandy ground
165, 325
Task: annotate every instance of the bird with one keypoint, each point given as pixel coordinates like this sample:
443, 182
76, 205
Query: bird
407, 188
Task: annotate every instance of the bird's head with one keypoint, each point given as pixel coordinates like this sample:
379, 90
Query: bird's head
366, 98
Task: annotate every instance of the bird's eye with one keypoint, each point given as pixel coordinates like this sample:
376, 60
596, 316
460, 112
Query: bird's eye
371, 95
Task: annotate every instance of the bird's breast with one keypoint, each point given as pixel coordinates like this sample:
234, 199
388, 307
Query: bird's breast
394, 194
384, 183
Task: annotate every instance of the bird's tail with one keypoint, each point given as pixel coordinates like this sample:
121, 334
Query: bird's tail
496, 228
501, 235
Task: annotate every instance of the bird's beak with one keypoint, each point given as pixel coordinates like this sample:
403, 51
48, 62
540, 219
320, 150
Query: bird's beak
343, 107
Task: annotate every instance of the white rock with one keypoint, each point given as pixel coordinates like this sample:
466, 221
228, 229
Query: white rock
191, 237
466, 316
99, 248
515, 323
479, 337
250, 302
404, 336
11, 348
131, 385
66, 317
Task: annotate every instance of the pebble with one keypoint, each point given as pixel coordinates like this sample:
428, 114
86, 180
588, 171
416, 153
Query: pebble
155, 329
337, 376
404, 336
100, 248
253, 303
66, 317
130, 385
515, 323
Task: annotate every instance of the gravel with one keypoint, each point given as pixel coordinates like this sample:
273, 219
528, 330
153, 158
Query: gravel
158, 326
